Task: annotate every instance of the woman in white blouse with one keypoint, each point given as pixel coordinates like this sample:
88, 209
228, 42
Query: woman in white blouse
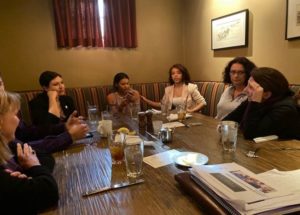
180, 91
236, 74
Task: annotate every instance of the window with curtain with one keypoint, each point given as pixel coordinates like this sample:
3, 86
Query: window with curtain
95, 23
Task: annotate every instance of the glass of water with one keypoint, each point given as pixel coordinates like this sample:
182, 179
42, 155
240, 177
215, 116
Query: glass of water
134, 109
93, 117
134, 153
229, 130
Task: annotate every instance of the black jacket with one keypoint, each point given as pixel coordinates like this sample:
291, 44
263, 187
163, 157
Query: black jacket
27, 196
39, 109
281, 118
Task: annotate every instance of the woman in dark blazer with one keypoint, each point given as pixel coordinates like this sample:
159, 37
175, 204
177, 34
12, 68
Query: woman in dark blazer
51, 106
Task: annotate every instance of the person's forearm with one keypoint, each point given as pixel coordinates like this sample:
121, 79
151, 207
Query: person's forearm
54, 107
152, 103
196, 108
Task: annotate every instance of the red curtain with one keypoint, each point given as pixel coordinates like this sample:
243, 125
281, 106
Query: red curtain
120, 24
77, 23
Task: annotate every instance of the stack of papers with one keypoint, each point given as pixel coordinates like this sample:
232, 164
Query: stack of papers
247, 193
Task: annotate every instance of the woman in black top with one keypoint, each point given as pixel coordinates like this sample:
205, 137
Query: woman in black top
26, 187
52, 106
270, 109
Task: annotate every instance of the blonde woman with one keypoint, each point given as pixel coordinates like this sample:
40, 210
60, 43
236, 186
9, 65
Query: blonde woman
26, 187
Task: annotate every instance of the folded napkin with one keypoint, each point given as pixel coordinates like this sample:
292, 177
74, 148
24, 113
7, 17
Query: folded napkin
149, 143
265, 138
172, 125
174, 116
154, 111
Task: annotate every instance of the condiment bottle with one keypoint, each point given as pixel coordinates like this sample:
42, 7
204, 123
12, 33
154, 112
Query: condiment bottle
149, 120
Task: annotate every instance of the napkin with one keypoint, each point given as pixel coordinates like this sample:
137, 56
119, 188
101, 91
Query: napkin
154, 111
149, 143
172, 125
174, 116
161, 159
265, 138
131, 139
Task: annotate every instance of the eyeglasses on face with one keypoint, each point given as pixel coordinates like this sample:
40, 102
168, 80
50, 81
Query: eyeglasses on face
239, 73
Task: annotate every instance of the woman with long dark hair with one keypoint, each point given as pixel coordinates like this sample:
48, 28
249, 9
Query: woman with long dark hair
180, 92
236, 74
123, 97
270, 108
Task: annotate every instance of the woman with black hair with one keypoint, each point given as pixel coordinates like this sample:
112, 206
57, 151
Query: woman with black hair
123, 96
236, 74
52, 106
180, 92
270, 108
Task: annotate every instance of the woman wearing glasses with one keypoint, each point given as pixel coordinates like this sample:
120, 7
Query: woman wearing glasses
236, 74
270, 108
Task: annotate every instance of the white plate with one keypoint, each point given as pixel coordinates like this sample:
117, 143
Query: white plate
188, 159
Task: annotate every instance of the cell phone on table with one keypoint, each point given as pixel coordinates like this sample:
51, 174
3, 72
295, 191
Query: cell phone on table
89, 135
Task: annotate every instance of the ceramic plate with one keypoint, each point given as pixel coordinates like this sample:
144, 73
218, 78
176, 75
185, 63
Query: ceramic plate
188, 159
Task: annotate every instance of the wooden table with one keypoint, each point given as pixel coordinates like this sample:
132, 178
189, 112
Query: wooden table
86, 166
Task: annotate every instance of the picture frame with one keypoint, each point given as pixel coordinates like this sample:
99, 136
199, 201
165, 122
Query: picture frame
230, 31
292, 30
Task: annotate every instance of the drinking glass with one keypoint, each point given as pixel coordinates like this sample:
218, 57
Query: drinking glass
165, 107
105, 115
134, 152
229, 131
93, 117
134, 109
181, 112
116, 147
157, 125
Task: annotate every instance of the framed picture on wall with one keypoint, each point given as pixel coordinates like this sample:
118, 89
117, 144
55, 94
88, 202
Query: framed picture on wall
292, 19
230, 31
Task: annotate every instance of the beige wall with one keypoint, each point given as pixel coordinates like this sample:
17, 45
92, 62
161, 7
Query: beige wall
169, 31
267, 44
28, 47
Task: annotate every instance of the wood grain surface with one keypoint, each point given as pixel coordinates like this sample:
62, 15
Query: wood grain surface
87, 165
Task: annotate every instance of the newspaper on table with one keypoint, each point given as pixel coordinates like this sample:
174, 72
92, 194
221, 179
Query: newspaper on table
250, 193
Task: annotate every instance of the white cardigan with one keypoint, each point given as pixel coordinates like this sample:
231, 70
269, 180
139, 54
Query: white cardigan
190, 93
